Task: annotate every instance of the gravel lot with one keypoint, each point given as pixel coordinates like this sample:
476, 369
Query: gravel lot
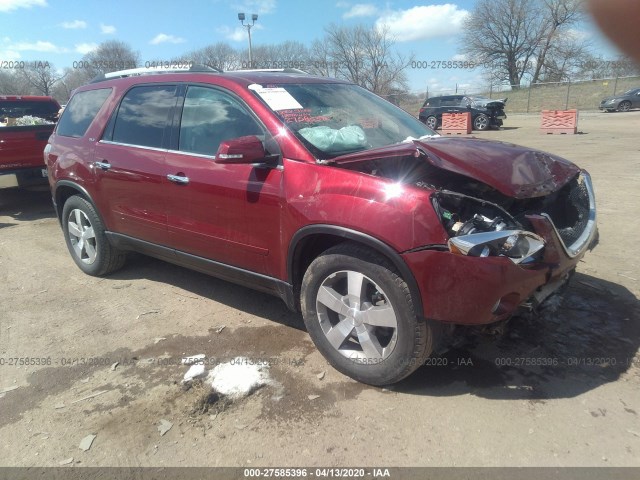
562, 389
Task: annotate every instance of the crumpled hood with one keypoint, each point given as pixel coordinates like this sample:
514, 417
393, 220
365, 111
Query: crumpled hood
515, 171
489, 103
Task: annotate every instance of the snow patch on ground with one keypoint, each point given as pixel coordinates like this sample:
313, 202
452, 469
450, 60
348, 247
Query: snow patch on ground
238, 378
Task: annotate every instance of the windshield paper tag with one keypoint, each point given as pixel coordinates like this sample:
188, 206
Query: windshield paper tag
276, 97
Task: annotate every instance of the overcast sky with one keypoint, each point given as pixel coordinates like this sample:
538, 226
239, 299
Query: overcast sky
61, 32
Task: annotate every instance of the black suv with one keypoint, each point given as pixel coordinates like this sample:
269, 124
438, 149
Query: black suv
485, 112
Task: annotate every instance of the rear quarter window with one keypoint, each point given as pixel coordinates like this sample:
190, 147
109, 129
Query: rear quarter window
143, 115
80, 112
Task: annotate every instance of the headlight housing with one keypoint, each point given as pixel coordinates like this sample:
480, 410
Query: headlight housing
517, 245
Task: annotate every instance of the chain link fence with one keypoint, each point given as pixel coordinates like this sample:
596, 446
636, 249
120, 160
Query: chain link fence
584, 95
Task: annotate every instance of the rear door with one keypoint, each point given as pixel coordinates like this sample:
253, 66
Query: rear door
129, 163
229, 213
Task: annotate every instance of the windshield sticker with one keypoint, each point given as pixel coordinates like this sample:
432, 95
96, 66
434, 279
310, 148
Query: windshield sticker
370, 122
301, 116
276, 97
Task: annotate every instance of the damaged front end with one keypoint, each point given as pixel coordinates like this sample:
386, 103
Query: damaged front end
565, 218
517, 221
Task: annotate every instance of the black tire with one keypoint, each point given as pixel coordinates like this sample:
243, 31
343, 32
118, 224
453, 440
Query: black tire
85, 236
406, 346
624, 106
431, 122
481, 122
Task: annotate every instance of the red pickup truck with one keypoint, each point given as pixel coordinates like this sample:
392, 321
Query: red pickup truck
26, 122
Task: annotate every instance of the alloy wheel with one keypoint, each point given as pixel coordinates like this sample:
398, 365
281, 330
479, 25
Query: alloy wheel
82, 236
357, 317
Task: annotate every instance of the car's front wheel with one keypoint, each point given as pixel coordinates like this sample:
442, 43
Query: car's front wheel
624, 106
359, 313
85, 236
481, 122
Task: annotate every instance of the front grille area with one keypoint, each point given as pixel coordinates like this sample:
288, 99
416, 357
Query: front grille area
570, 211
568, 208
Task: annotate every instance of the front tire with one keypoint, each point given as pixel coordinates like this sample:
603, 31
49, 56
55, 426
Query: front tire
85, 236
359, 313
481, 122
624, 106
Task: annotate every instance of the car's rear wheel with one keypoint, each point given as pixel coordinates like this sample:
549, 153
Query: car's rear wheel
359, 313
431, 122
624, 106
481, 122
85, 236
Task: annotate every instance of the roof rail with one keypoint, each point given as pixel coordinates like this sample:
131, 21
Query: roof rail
271, 70
194, 68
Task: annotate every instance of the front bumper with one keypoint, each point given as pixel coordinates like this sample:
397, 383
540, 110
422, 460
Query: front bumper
479, 290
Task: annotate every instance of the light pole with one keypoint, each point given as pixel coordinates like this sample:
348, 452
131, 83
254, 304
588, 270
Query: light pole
248, 26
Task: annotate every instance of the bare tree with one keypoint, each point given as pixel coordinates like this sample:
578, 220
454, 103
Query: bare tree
564, 60
110, 56
516, 38
219, 55
596, 67
289, 54
558, 15
73, 78
42, 76
320, 61
12, 83
366, 57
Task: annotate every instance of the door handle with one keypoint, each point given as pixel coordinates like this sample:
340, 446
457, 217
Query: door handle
103, 164
179, 179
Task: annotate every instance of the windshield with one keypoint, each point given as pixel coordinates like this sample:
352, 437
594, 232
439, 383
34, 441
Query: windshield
336, 119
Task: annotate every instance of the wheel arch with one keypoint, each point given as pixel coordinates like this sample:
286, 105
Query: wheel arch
65, 189
310, 241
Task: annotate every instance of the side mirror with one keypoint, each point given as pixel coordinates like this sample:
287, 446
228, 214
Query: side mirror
247, 149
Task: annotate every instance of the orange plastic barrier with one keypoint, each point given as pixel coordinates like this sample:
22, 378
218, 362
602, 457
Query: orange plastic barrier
559, 121
456, 123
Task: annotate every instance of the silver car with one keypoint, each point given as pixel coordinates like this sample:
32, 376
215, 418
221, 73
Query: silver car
623, 102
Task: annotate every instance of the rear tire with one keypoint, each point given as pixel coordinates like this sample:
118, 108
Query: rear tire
431, 122
85, 236
359, 313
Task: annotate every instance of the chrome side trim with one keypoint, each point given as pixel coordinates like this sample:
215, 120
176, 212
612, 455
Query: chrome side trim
109, 142
192, 154
577, 247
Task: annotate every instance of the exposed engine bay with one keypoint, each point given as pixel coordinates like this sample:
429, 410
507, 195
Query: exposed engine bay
467, 206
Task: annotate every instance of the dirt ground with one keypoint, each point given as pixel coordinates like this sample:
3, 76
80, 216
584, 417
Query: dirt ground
562, 389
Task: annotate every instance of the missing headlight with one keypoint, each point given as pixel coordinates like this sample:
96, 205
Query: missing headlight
479, 228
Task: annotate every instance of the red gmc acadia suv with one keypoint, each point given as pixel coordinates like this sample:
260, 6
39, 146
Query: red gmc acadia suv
379, 231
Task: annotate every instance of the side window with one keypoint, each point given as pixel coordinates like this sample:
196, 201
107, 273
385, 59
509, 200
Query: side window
434, 102
209, 117
451, 102
143, 115
82, 109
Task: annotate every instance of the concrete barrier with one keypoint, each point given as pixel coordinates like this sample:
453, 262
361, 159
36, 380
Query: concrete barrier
559, 121
456, 123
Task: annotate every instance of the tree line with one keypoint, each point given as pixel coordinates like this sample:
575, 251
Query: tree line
515, 42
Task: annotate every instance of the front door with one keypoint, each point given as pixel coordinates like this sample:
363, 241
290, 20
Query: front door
223, 212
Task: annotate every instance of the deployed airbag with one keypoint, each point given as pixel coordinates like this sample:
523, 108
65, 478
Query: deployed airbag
328, 139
